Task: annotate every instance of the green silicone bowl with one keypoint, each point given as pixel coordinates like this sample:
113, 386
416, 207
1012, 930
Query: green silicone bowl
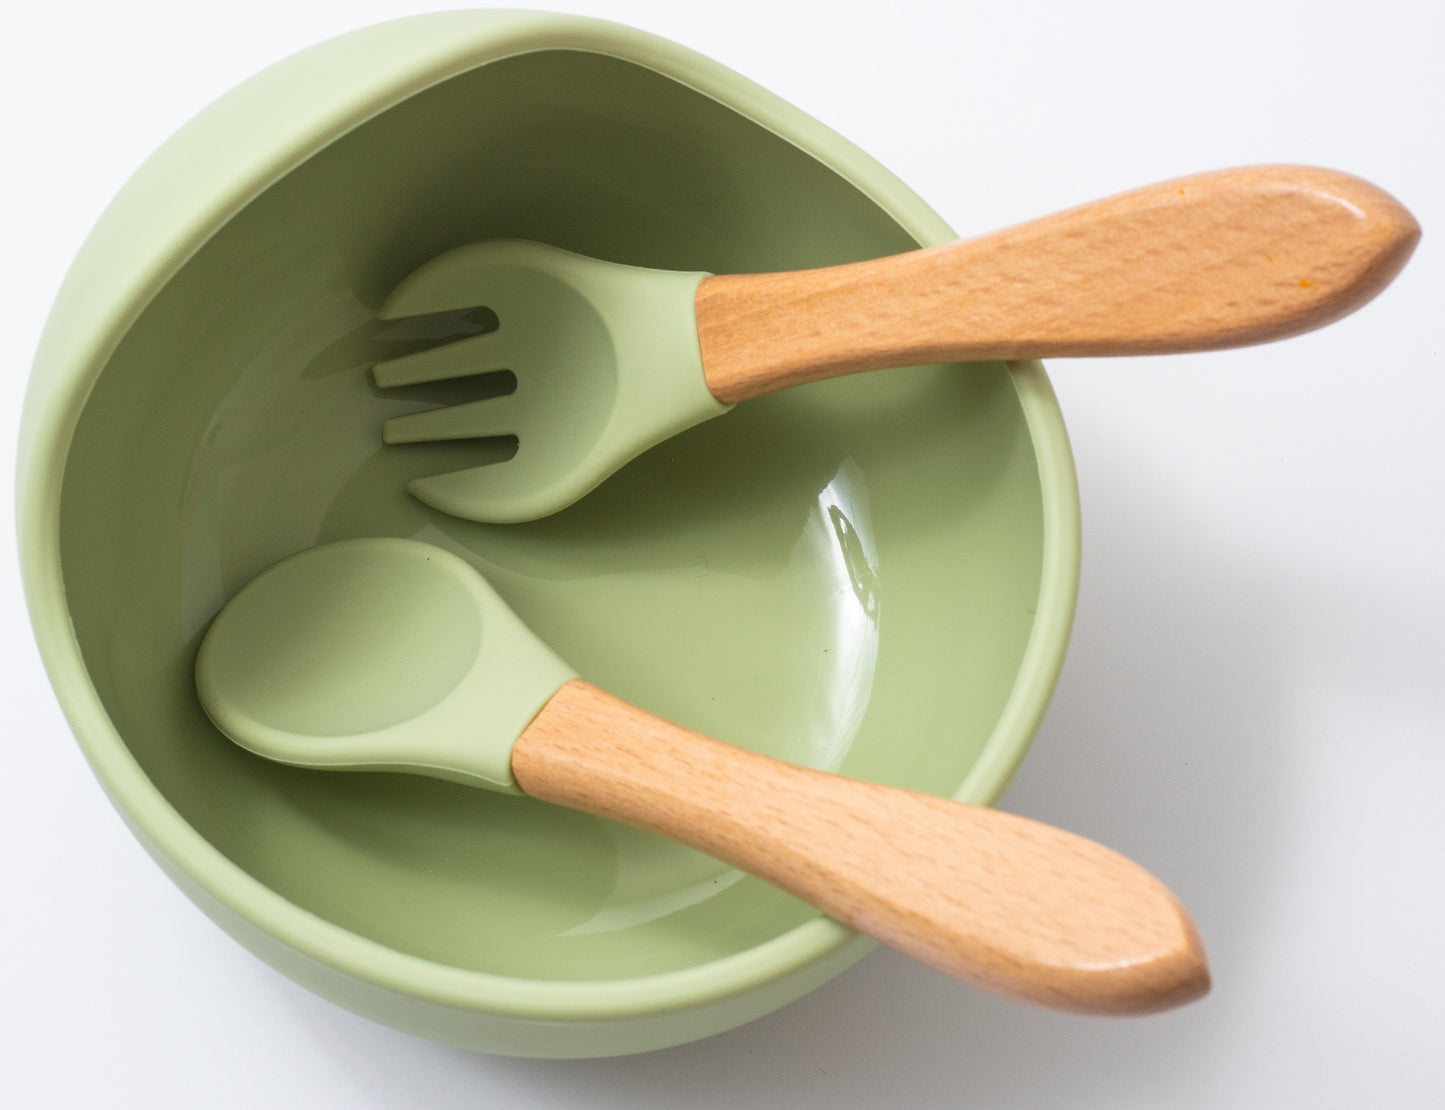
875, 575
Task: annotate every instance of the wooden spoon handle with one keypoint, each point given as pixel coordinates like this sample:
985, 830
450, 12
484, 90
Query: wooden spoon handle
1002, 902
1221, 259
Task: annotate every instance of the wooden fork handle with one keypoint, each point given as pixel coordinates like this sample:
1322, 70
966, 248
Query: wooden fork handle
1217, 260
1002, 902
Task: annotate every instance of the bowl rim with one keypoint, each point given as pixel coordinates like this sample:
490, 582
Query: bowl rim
154, 226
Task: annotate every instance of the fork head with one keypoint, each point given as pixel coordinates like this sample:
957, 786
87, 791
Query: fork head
605, 359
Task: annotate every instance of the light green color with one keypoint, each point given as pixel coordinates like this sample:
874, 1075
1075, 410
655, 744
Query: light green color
606, 363
875, 574
377, 654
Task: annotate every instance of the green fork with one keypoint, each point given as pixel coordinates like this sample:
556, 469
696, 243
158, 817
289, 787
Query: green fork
610, 360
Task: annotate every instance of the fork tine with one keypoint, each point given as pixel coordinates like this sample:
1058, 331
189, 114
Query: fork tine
477, 354
496, 416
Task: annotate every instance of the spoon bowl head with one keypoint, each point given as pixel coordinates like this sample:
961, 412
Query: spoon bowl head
376, 654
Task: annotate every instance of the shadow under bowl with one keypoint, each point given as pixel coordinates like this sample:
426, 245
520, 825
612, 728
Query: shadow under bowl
875, 575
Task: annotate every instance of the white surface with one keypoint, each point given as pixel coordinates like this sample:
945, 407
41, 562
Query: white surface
1251, 705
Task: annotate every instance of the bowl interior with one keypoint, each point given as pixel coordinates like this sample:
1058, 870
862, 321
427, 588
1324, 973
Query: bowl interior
844, 575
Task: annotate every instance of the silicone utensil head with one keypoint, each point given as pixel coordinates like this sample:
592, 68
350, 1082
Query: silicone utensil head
605, 357
377, 654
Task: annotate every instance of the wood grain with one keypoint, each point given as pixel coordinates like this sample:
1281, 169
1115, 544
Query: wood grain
1217, 260
999, 901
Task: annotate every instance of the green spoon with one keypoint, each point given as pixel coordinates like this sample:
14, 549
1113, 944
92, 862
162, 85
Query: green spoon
610, 360
394, 655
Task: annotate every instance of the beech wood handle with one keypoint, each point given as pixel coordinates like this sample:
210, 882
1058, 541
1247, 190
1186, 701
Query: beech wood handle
1221, 259
999, 901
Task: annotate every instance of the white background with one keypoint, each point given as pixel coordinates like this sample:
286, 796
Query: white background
1252, 705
